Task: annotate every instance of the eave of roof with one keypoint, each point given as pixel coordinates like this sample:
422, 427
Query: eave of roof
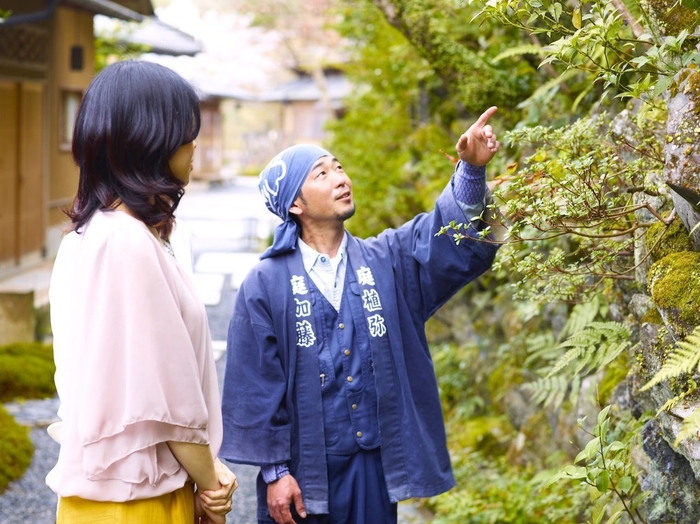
103, 7
107, 8
164, 39
305, 88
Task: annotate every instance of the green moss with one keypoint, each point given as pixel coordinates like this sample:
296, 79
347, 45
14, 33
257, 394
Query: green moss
693, 89
663, 240
487, 435
26, 371
653, 317
648, 360
670, 17
675, 289
540, 441
15, 449
615, 373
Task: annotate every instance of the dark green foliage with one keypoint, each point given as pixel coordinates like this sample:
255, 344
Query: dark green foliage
463, 377
606, 469
411, 104
384, 138
114, 47
493, 484
580, 182
26, 371
454, 48
16, 449
491, 491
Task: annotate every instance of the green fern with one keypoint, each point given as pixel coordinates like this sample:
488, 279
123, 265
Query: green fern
551, 84
541, 347
581, 316
672, 402
589, 350
594, 347
590, 347
690, 428
683, 360
526, 49
570, 356
552, 391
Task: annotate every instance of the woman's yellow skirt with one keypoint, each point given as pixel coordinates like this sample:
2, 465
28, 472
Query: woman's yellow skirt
172, 508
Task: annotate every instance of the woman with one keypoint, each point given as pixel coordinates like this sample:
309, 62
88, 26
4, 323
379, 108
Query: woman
135, 372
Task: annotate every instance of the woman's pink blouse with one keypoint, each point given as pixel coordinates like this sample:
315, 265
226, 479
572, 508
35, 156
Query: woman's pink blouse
134, 363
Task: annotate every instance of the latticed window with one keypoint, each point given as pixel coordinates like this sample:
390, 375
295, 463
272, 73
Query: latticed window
24, 44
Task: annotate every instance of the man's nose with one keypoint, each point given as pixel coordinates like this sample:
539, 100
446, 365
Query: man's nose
341, 178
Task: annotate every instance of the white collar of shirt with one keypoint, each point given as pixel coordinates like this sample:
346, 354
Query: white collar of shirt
327, 273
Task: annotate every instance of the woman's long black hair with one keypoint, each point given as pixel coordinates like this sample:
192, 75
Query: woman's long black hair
133, 118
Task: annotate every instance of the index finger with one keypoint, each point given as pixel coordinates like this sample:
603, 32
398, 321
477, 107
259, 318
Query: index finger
486, 115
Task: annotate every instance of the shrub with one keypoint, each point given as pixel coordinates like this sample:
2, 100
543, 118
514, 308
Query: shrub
490, 491
26, 371
16, 449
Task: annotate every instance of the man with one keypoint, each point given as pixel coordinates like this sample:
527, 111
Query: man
329, 384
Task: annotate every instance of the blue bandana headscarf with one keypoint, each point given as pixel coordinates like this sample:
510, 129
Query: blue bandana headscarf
280, 184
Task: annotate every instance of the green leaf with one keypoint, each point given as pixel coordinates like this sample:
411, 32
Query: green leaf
576, 18
602, 481
625, 484
636, 501
615, 446
662, 84
603, 414
575, 472
615, 517
600, 508
590, 451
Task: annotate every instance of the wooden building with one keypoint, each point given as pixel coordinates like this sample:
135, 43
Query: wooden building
290, 113
46, 61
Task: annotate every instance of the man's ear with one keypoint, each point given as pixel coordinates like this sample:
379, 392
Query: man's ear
295, 209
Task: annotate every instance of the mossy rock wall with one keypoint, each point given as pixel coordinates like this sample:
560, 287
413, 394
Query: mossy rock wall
674, 283
670, 17
682, 148
663, 240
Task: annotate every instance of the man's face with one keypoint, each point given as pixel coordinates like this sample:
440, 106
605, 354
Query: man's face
326, 193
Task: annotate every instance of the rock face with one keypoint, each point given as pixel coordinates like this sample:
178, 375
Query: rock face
674, 282
674, 492
670, 17
672, 469
682, 149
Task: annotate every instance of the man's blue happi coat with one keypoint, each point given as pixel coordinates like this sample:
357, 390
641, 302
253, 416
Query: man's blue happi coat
272, 409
